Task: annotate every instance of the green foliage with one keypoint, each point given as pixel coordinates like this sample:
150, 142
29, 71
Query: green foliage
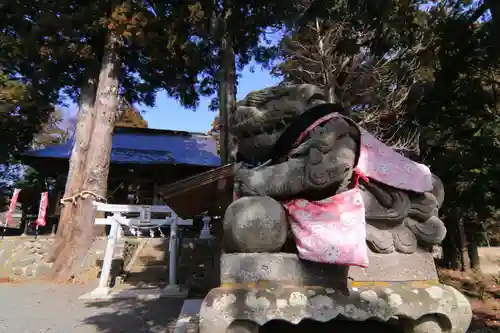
22, 113
51, 132
452, 100
166, 45
31, 180
461, 117
26, 120
54, 45
367, 58
247, 22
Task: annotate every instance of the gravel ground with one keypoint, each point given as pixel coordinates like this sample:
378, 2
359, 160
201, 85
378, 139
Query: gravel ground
49, 308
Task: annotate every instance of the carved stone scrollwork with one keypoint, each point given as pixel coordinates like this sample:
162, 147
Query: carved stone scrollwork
418, 310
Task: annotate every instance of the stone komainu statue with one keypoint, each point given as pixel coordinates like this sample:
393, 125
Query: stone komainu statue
329, 222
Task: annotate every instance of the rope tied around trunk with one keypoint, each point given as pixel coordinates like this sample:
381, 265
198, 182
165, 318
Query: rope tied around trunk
82, 195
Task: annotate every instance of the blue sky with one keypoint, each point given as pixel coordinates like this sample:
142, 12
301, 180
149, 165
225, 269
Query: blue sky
168, 114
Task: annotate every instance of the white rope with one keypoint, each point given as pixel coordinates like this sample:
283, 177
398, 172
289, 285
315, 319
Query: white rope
137, 231
82, 195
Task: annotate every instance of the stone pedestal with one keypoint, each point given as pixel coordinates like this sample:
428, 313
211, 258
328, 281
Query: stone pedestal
260, 287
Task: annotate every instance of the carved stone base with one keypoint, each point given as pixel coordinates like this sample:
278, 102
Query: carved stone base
403, 289
434, 309
397, 267
279, 268
289, 269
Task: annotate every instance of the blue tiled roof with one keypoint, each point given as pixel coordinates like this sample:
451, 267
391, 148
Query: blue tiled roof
149, 147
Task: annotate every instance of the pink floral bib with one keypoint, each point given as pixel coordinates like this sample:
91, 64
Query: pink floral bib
332, 230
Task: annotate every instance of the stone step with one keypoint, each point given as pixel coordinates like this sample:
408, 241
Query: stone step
152, 255
150, 273
194, 265
142, 268
99, 254
154, 252
146, 262
151, 264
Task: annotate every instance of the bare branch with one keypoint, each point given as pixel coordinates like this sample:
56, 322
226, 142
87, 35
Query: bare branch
335, 56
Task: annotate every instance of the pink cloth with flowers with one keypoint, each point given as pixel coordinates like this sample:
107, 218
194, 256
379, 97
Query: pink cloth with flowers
331, 230
381, 163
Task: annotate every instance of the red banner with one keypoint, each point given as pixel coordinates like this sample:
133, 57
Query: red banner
44, 201
12, 206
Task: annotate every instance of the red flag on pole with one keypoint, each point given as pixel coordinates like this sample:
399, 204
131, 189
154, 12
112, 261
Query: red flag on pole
12, 206
44, 200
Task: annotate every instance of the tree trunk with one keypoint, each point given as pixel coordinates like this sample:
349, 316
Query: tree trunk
472, 251
227, 86
79, 240
74, 180
452, 244
227, 104
451, 255
328, 86
330, 94
461, 244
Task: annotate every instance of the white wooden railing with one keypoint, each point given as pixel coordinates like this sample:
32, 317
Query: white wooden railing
117, 219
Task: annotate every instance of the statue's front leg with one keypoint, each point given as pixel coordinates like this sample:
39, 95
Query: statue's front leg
274, 181
315, 166
423, 218
255, 224
386, 208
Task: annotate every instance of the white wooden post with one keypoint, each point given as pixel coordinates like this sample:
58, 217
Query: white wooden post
172, 260
205, 231
103, 288
172, 289
120, 233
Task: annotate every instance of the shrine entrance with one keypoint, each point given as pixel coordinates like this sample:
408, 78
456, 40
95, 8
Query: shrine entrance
159, 169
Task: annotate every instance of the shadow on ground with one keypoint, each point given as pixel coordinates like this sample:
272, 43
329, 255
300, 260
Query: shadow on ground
196, 271
46, 307
138, 316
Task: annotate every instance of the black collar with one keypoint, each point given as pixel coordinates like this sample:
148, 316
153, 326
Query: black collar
287, 140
